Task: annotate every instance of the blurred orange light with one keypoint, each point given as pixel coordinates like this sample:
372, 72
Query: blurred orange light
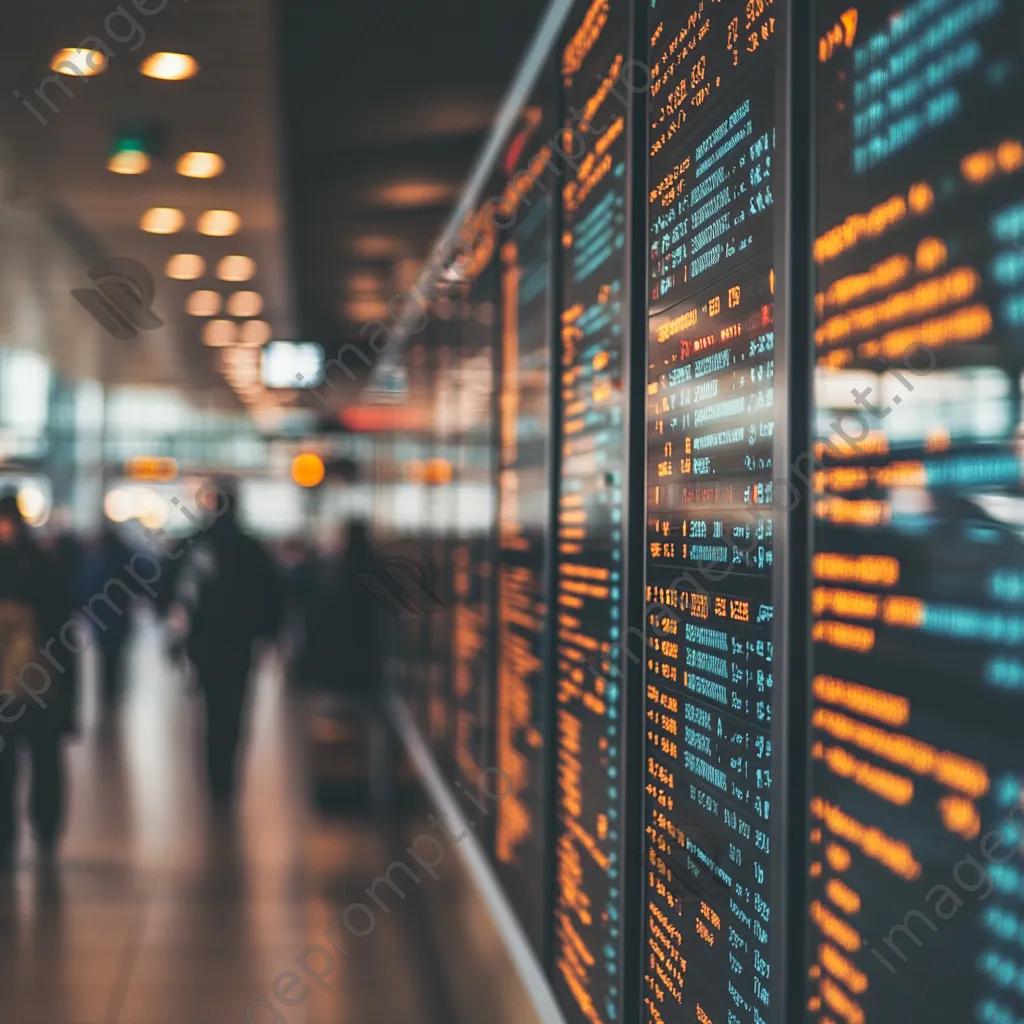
365, 309
185, 266
415, 193
921, 197
376, 246
128, 161
169, 67
978, 167
308, 469
236, 268
438, 472
200, 165
364, 283
374, 418
244, 304
79, 63
218, 333
203, 303
1010, 156
162, 220
239, 357
931, 254
254, 333
218, 223
152, 469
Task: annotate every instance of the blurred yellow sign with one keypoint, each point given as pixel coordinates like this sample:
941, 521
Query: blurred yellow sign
152, 469
308, 469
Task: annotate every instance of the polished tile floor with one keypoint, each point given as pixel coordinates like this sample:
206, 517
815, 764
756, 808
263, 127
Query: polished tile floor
157, 915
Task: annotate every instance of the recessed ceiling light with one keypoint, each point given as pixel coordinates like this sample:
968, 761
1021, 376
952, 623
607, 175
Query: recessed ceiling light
128, 161
376, 246
244, 304
169, 67
218, 333
416, 193
364, 283
240, 365
200, 165
219, 223
162, 220
365, 309
254, 333
203, 303
239, 361
79, 63
185, 266
236, 268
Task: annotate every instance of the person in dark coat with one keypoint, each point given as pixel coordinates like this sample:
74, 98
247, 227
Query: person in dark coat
356, 646
229, 587
38, 672
68, 551
111, 618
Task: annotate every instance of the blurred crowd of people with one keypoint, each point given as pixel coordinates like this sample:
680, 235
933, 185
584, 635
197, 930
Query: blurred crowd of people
221, 596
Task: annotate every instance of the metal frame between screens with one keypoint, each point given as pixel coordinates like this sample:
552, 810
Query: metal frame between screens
635, 701
794, 519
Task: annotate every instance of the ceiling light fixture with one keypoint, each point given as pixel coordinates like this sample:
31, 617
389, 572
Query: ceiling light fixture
376, 246
169, 67
79, 63
219, 333
200, 165
364, 309
128, 161
415, 193
185, 266
254, 333
162, 220
218, 223
236, 268
364, 283
203, 303
245, 304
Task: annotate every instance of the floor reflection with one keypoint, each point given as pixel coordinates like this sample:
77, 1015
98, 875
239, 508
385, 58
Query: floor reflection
159, 912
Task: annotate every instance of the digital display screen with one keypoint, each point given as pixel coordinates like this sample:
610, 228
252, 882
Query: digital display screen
917, 806
442, 338
473, 553
589, 559
526, 261
709, 864
292, 364
710, 187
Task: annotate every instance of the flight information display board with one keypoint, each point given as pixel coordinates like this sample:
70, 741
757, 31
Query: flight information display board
710, 867
523, 551
474, 549
917, 905
439, 507
709, 174
589, 559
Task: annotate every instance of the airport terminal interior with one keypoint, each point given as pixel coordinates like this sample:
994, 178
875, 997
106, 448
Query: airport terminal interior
512, 514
